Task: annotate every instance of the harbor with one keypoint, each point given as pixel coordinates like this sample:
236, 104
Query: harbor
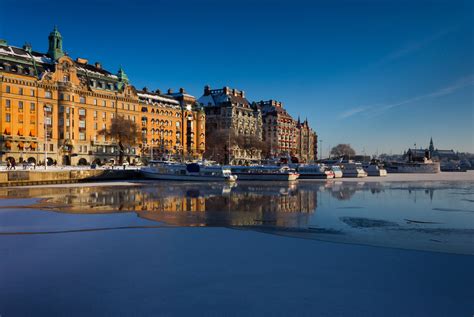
321, 238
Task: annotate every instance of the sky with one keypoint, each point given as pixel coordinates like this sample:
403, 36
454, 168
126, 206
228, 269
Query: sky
379, 75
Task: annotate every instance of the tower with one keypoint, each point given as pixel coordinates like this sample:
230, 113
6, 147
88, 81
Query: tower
55, 50
122, 77
431, 148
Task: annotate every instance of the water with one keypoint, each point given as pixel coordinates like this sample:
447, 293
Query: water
306, 248
431, 216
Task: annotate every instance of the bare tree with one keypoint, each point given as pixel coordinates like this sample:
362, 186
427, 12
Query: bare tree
123, 131
343, 150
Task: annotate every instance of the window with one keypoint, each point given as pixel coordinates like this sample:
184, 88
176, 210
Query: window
82, 112
7, 104
32, 107
95, 102
112, 115
20, 106
104, 103
82, 99
104, 115
20, 119
7, 89
95, 125
20, 91
82, 136
48, 94
65, 78
82, 124
47, 120
113, 104
95, 114
32, 92
8, 117
51, 147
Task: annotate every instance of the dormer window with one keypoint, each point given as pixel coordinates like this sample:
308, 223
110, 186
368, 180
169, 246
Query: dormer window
66, 78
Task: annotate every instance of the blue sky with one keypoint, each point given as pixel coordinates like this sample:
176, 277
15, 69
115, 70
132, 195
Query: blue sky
380, 75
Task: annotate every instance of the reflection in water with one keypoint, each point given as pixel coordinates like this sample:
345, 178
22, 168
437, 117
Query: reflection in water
425, 216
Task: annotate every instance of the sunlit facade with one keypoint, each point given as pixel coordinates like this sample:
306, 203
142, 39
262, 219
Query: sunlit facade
53, 108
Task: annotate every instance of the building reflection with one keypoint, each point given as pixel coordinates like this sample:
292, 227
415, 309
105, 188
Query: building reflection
275, 204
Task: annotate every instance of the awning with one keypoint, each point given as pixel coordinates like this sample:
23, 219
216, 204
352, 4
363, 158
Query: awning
7, 130
32, 133
8, 143
20, 131
33, 145
21, 144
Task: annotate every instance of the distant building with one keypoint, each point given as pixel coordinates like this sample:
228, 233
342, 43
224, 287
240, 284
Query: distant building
431, 153
305, 142
279, 129
229, 112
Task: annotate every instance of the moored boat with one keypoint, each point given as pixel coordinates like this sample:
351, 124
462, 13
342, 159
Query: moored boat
336, 169
374, 169
315, 171
265, 173
352, 169
413, 167
187, 172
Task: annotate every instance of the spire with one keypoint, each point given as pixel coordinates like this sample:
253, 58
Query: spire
55, 48
431, 148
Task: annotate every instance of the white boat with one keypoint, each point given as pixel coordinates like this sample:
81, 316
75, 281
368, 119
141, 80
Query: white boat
265, 173
374, 169
315, 171
413, 167
352, 169
187, 172
336, 169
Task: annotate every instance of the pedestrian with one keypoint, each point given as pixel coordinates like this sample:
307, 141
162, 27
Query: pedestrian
13, 165
8, 164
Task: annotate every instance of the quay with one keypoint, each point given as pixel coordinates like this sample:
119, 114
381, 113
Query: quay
64, 176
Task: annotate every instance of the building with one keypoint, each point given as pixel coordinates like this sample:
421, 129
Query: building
442, 155
171, 125
279, 129
229, 113
54, 107
306, 142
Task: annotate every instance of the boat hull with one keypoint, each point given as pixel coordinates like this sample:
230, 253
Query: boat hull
195, 178
266, 177
428, 168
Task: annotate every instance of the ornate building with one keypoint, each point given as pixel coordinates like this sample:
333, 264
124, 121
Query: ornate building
279, 129
306, 138
53, 107
228, 112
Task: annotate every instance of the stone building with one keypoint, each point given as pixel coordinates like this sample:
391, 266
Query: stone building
53, 107
228, 112
279, 129
306, 140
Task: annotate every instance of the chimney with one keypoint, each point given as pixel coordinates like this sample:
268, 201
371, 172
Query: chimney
233, 92
158, 91
226, 90
145, 89
242, 94
98, 65
181, 90
170, 91
207, 90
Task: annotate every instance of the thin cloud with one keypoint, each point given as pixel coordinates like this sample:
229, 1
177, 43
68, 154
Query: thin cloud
414, 46
375, 110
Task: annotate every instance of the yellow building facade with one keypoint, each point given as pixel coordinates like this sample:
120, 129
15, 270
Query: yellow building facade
53, 108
